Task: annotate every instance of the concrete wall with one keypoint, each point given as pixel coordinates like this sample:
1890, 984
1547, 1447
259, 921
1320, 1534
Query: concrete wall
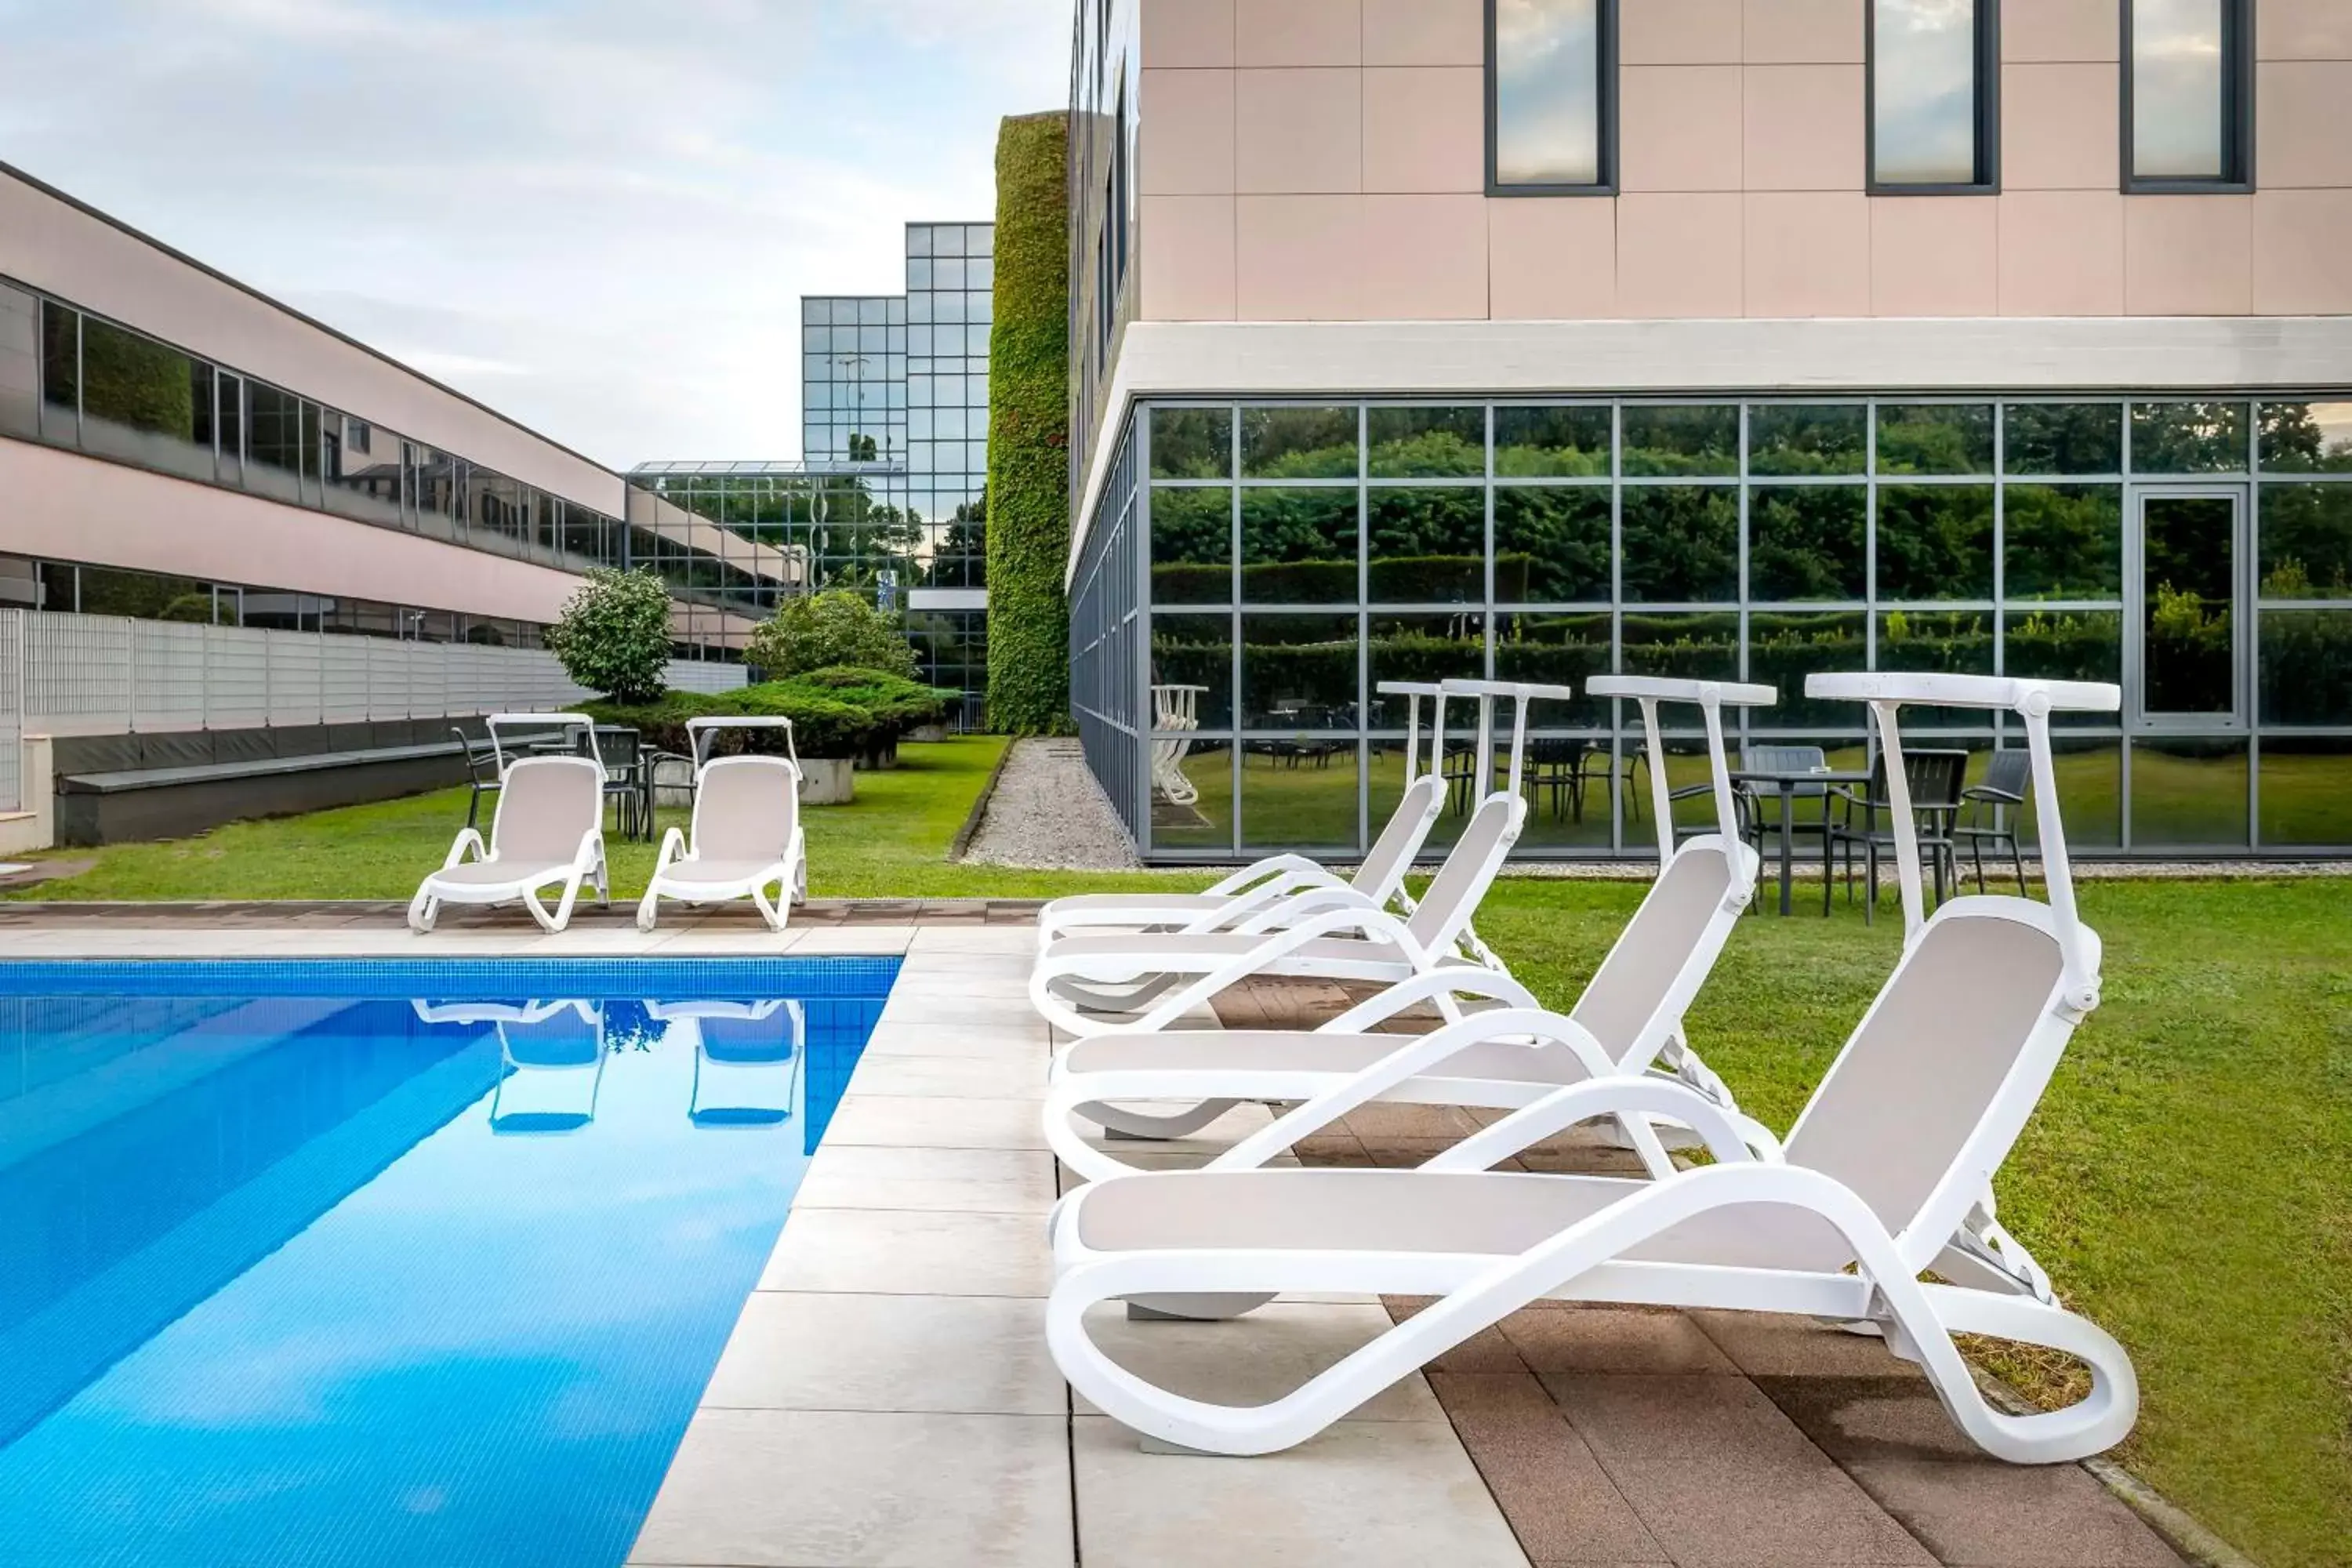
1325, 159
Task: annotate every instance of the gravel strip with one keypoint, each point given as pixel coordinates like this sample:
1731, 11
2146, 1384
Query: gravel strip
1048, 814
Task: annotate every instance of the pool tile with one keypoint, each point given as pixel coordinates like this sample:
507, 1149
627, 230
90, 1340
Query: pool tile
968, 1181
1254, 1359
901, 1252
877, 939
937, 1122
773, 1488
978, 1355
1371, 1494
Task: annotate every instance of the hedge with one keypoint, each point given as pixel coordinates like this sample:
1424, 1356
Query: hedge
1029, 432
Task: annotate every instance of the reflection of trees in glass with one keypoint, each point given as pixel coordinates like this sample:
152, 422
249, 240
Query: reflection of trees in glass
1689, 647
2307, 667
1192, 443
1682, 543
1312, 528
2188, 437
1701, 439
143, 596
2306, 532
2062, 541
1553, 443
1557, 650
2062, 644
2294, 441
1932, 438
137, 381
1426, 443
1422, 649
1440, 533
1298, 671
1804, 438
1934, 541
1191, 546
2064, 438
1196, 650
1562, 532
1807, 543
1298, 443
1783, 649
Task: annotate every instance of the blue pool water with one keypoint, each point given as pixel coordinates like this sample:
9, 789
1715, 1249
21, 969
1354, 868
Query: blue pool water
355, 1264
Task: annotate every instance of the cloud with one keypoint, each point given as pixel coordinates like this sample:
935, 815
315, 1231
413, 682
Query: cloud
597, 216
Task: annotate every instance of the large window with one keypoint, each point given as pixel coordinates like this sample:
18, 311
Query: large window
2187, 95
1934, 87
1551, 96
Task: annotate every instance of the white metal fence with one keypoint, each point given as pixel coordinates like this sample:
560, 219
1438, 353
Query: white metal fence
105, 675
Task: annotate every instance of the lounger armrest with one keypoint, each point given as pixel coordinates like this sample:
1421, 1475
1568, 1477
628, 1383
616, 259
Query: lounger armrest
1622, 1095
1249, 876
1288, 911
1457, 979
1414, 1056
1277, 890
673, 849
467, 839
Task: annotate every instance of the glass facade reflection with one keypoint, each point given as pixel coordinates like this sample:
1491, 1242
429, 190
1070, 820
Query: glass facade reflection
1549, 79
1284, 558
1931, 71
2187, 92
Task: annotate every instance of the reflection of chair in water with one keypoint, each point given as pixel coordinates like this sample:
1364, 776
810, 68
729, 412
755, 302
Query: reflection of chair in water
1175, 713
555, 1046
751, 1049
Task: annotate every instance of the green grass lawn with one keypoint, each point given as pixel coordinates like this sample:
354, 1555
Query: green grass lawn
2187, 1180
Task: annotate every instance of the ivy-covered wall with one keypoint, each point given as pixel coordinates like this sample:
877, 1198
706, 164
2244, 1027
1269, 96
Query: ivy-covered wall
1028, 432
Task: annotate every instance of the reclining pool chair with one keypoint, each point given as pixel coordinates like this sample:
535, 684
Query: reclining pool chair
1379, 881
748, 1045
1885, 1177
747, 838
1628, 1020
547, 830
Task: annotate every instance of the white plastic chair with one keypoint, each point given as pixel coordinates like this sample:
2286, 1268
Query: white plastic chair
547, 830
1885, 1177
747, 838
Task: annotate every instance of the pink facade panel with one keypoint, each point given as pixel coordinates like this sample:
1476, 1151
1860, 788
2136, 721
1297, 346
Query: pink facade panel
1807, 253
1934, 255
1424, 257
1424, 33
1298, 132
2303, 124
1679, 32
1187, 256
1803, 128
2062, 253
1679, 256
1299, 258
2188, 255
2304, 30
2062, 30
1188, 32
1679, 128
72, 508
1425, 129
1298, 32
2058, 128
1184, 132
1551, 261
1801, 32
2301, 240
53, 244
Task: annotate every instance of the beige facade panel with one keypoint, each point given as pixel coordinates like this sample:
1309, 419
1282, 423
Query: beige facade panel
1298, 132
1801, 32
1184, 132
1934, 255
1188, 32
1806, 253
53, 245
1679, 32
2188, 255
2302, 30
67, 507
2059, 127
2062, 31
1298, 32
1424, 130
1423, 32
1801, 128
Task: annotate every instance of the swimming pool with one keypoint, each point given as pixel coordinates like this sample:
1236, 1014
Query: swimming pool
375, 1263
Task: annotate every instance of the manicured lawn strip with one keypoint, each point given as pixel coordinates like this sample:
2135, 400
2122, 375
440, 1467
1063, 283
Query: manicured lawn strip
2184, 1181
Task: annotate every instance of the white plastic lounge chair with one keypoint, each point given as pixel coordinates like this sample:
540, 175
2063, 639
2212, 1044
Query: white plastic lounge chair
747, 838
549, 829
1882, 1178
1629, 1019
1379, 881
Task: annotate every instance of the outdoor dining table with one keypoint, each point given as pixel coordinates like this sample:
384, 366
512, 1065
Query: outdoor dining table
1785, 781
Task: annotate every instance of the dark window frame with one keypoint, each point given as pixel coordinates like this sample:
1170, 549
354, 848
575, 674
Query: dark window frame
1988, 113
2237, 112
1604, 109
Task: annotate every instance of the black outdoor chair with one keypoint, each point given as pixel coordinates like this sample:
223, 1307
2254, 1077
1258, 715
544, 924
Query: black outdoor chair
482, 771
1556, 767
1853, 823
628, 778
1994, 807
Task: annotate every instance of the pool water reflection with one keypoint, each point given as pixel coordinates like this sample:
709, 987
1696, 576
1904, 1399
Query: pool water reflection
292, 1278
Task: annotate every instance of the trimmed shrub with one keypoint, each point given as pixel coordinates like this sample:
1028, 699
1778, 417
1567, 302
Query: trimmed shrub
820, 728
614, 636
893, 700
820, 631
1029, 432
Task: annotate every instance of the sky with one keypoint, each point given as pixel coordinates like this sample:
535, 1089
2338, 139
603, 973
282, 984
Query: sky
597, 217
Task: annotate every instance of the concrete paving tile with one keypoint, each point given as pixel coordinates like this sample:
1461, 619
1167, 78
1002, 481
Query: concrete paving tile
1892, 1435
1026, 1040
1568, 1337
1380, 1124
979, 1355
728, 943
1723, 1479
1368, 1494
935, 1123
967, 1181
1020, 939
903, 1252
901, 1075
1769, 1344
927, 959
778, 1489
879, 940
1551, 1489
1256, 1359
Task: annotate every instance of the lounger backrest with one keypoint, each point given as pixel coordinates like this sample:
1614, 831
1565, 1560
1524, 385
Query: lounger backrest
547, 804
1944, 1068
570, 1036
1469, 871
745, 808
771, 1037
1634, 999
1401, 840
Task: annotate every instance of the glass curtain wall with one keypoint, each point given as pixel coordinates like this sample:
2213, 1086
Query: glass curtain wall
1300, 554
950, 302
1107, 620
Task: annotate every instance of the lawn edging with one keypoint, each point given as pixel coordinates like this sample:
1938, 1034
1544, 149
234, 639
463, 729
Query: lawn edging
962, 842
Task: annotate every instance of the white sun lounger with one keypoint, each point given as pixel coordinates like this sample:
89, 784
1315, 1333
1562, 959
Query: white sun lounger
1883, 1177
747, 838
1628, 1019
1379, 881
548, 831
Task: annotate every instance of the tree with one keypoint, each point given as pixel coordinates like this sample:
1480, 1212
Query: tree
614, 637
818, 631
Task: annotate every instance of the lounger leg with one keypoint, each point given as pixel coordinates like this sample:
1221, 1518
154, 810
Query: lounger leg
650, 907
767, 910
1203, 1308
423, 910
